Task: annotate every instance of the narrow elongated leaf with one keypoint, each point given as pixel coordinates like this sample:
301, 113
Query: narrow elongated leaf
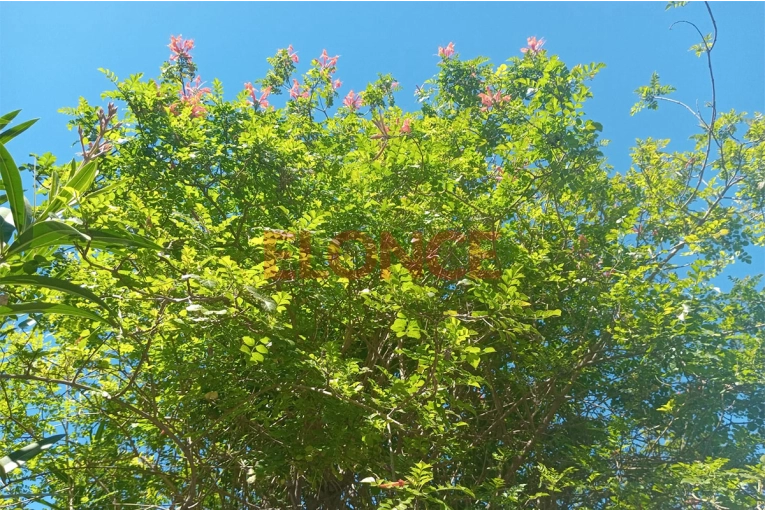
6, 224
110, 238
7, 118
46, 233
103, 190
20, 457
32, 449
54, 183
29, 213
100, 430
68, 171
11, 133
55, 284
80, 181
84, 177
9, 172
49, 308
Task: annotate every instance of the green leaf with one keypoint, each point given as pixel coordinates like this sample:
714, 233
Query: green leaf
19, 457
29, 213
668, 407
12, 182
46, 233
11, 133
671, 5
413, 331
49, 308
7, 118
6, 224
100, 431
55, 284
399, 325
103, 190
80, 182
55, 183
110, 238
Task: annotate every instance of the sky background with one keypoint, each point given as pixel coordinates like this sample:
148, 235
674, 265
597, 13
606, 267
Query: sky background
50, 53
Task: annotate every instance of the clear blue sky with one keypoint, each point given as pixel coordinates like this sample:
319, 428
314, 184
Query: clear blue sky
50, 52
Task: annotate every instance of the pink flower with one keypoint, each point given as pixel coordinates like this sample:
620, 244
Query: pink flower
292, 54
295, 90
446, 52
192, 95
180, 47
196, 89
262, 102
406, 128
325, 62
249, 88
486, 99
337, 84
534, 45
352, 101
489, 99
394, 85
197, 110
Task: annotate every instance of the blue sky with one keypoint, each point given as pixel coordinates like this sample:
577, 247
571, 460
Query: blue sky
50, 53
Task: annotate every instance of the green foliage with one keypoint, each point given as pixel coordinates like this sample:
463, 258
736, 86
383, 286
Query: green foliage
240, 370
675, 5
650, 94
30, 253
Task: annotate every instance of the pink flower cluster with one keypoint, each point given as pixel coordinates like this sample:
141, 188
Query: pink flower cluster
296, 91
327, 62
180, 48
192, 95
353, 101
292, 54
534, 45
446, 52
261, 101
489, 99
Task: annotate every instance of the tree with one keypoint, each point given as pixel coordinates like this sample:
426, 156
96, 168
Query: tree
300, 340
36, 236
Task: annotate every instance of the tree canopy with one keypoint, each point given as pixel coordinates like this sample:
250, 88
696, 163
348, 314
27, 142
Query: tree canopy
334, 303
